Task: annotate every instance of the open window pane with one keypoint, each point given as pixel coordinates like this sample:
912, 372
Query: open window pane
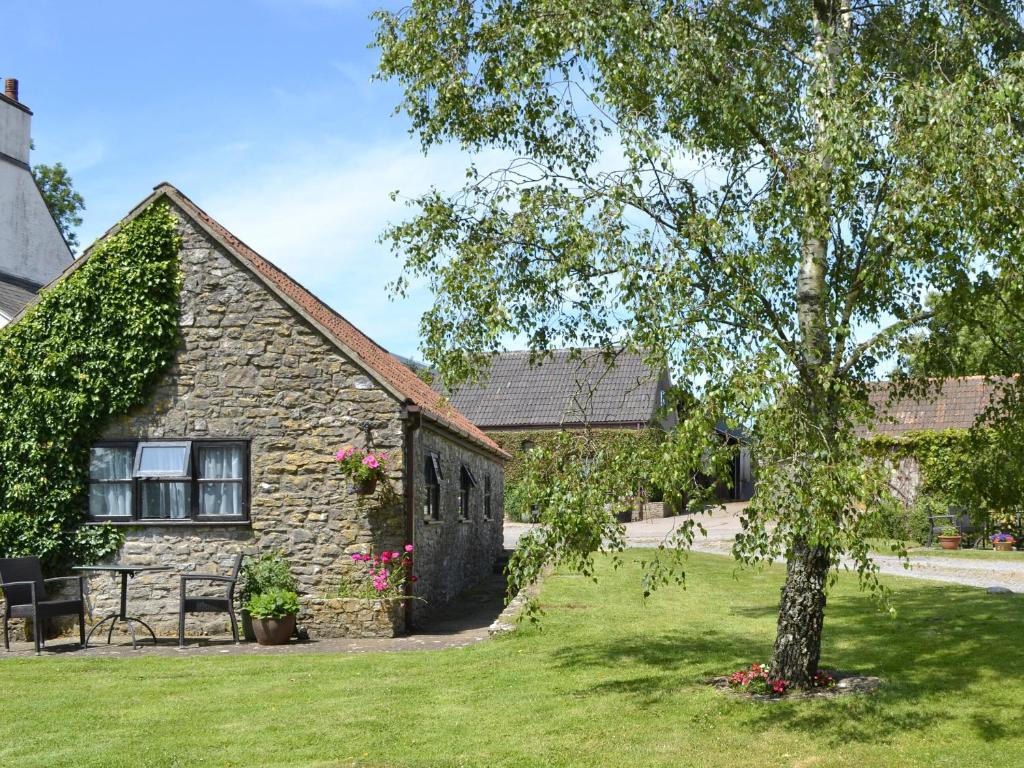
468, 480
166, 501
162, 459
435, 462
220, 499
111, 463
221, 462
110, 499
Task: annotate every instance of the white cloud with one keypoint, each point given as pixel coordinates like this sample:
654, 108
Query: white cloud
317, 212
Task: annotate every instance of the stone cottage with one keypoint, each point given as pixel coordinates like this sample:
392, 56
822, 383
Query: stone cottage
955, 404
267, 384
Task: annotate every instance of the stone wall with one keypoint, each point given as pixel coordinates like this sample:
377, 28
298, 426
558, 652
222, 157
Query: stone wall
453, 554
905, 479
249, 367
352, 617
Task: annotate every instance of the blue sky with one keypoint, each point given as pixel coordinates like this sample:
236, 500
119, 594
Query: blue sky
262, 111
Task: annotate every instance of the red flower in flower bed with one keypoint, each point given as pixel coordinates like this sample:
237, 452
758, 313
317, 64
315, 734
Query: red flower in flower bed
822, 679
755, 680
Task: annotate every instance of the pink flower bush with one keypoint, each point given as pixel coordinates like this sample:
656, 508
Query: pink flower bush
380, 576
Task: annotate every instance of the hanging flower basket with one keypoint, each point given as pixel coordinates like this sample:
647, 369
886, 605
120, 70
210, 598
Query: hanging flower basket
366, 486
364, 469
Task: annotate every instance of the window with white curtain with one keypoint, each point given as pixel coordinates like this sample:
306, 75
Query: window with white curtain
111, 488
220, 480
161, 481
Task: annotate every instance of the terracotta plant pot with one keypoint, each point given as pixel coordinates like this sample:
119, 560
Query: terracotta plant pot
273, 631
366, 487
1003, 546
949, 542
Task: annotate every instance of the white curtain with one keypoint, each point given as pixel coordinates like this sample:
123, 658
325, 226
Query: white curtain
221, 463
220, 499
165, 501
110, 499
111, 463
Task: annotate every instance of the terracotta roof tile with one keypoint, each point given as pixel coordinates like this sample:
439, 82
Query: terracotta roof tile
378, 361
956, 404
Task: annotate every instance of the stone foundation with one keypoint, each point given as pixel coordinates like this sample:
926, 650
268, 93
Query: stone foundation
353, 617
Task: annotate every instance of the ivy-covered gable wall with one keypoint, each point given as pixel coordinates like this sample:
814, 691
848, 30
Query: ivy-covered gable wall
89, 350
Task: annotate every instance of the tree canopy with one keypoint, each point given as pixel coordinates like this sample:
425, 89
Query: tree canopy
759, 195
64, 203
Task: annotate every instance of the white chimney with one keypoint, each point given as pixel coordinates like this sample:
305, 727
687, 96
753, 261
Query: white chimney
32, 250
15, 124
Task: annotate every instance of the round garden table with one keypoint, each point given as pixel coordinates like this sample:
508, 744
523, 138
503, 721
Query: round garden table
121, 616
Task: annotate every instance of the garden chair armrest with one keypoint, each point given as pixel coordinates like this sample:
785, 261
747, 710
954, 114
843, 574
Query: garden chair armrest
30, 584
208, 577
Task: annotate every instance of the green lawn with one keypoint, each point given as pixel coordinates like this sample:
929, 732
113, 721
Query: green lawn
609, 681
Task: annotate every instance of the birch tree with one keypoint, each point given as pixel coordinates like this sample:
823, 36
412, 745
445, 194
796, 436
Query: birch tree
758, 194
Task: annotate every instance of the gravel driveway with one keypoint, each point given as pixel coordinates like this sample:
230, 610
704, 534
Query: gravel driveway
723, 524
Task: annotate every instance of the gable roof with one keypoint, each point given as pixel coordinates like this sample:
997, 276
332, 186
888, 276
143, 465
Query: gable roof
956, 404
402, 383
561, 390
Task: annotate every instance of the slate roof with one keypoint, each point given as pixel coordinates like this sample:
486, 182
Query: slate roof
955, 405
15, 294
377, 362
561, 391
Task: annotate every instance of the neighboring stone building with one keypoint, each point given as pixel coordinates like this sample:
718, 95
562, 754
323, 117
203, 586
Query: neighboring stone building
519, 403
268, 383
955, 404
32, 249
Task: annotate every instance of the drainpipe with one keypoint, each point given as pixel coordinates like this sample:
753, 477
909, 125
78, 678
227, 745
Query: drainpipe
412, 418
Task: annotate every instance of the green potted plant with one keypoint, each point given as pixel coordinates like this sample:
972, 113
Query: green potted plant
262, 574
364, 469
273, 615
949, 537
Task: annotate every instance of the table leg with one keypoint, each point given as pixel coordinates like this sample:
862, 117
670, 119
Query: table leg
124, 594
115, 619
111, 618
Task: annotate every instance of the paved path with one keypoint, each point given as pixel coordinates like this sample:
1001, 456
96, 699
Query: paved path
723, 524
463, 623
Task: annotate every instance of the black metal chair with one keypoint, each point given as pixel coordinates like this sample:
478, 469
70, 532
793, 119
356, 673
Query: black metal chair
26, 598
211, 604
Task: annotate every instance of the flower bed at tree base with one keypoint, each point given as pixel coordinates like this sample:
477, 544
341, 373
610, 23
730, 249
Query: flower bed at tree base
843, 683
352, 617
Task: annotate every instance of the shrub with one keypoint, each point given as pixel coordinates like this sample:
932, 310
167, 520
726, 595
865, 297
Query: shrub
267, 572
273, 604
517, 505
381, 576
